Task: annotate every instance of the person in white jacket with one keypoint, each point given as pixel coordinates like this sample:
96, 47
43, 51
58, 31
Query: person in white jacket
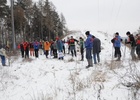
3, 56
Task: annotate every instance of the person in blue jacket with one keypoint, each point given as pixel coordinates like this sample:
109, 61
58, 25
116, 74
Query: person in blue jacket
117, 44
59, 46
88, 46
36, 48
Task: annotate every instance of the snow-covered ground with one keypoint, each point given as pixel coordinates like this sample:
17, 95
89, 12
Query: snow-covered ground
68, 79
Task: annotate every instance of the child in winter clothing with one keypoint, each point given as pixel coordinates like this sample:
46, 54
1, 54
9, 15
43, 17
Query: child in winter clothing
3, 56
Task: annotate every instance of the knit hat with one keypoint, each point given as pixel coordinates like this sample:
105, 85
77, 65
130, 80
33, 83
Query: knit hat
128, 33
87, 33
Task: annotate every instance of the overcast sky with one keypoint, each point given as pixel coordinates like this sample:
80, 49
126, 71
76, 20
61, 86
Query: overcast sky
104, 15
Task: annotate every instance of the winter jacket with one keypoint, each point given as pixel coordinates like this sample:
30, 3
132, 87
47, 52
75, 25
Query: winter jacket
131, 40
36, 45
59, 45
26, 46
117, 41
3, 52
54, 46
82, 44
89, 42
72, 42
96, 45
47, 45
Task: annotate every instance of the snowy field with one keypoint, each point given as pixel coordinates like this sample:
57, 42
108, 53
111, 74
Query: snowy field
68, 79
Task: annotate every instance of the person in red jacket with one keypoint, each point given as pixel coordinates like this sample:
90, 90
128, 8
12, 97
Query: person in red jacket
138, 45
72, 46
26, 49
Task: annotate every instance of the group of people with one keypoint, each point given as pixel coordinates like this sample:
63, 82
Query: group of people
43, 47
92, 44
56, 48
134, 41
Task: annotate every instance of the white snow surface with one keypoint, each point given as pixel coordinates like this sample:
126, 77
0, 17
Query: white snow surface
52, 79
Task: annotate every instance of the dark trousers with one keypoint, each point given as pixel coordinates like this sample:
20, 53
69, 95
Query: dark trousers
47, 53
55, 53
26, 53
64, 49
22, 53
117, 52
88, 53
36, 53
82, 53
3, 60
138, 51
73, 50
68, 49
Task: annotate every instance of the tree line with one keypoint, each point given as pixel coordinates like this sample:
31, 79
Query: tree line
32, 21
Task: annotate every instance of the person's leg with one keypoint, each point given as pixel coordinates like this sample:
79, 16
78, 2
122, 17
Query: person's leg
98, 57
118, 52
133, 53
47, 53
89, 58
64, 49
94, 57
82, 54
3, 60
35, 53
22, 53
75, 51
55, 53
115, 53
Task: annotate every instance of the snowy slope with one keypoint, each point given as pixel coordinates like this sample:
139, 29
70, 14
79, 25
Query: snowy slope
68, 79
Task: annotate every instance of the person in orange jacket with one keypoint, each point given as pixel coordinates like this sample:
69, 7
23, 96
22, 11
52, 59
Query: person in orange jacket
46, 48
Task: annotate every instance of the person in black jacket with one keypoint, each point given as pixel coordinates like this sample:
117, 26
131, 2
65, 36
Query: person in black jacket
22, 50
131, 40
96, 49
